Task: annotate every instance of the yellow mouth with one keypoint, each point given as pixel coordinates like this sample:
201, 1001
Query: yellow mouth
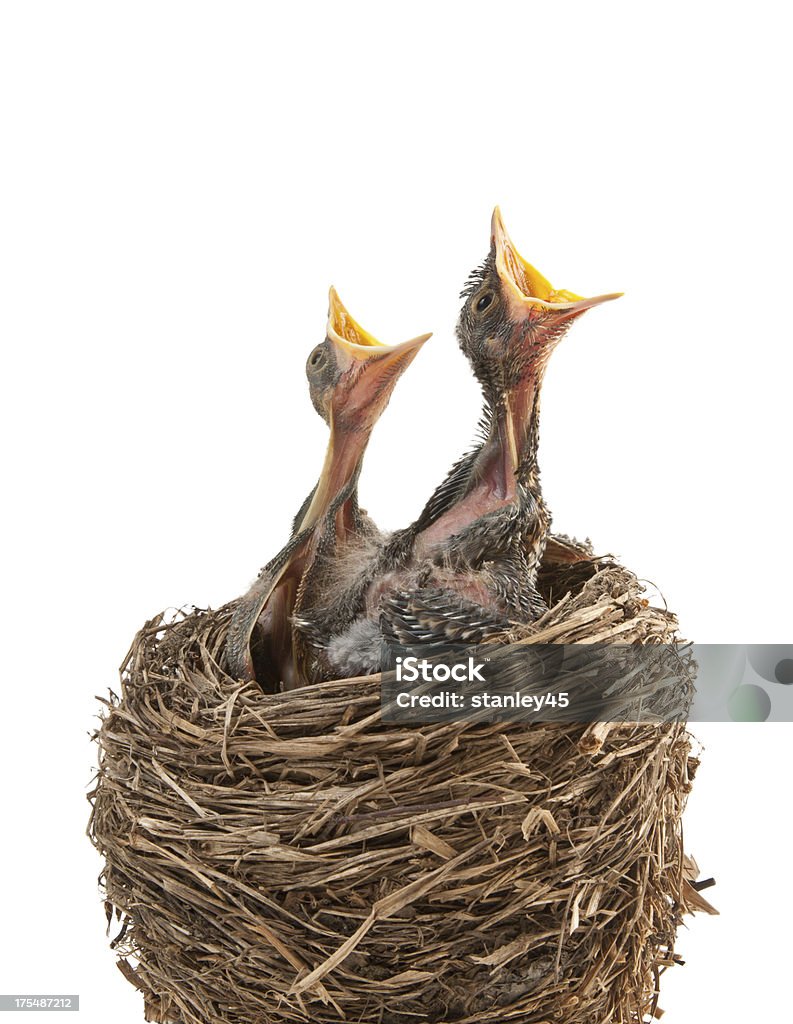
527, 285
345, 331
352, 341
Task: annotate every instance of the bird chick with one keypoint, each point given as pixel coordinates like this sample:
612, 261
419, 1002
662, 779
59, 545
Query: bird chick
509, 325
351, 377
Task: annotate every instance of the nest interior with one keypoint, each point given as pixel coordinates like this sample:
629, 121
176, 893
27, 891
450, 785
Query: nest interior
291, 858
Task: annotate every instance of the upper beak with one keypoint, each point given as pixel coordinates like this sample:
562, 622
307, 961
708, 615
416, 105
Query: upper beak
526, 285
379, 366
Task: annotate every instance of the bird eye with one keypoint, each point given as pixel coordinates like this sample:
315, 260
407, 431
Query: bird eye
317, 357
485, 301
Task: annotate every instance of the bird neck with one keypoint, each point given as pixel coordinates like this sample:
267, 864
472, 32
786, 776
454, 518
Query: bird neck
501, 473
340, 471
507, 459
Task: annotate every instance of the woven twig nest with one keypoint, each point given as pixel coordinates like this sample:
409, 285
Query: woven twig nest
290, 858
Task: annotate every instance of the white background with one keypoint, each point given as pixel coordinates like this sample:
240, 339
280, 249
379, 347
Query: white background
180, 183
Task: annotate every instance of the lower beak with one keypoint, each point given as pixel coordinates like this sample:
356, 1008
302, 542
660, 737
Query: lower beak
570, 309
391, 359
370, 377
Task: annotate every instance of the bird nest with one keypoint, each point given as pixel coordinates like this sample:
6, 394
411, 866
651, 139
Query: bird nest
292, 858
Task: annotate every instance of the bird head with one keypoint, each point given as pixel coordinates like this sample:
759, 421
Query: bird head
512, 317
351, 375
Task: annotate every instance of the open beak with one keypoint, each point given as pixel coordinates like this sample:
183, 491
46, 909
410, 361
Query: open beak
526, 286
369, 368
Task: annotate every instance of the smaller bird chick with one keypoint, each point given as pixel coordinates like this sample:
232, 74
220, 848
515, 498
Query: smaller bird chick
351, 377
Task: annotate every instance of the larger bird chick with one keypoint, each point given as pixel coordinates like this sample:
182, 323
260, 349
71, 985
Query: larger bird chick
511, 321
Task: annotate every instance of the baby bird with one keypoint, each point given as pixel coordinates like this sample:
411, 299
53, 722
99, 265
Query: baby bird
510, 323
351, 377
466, 570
